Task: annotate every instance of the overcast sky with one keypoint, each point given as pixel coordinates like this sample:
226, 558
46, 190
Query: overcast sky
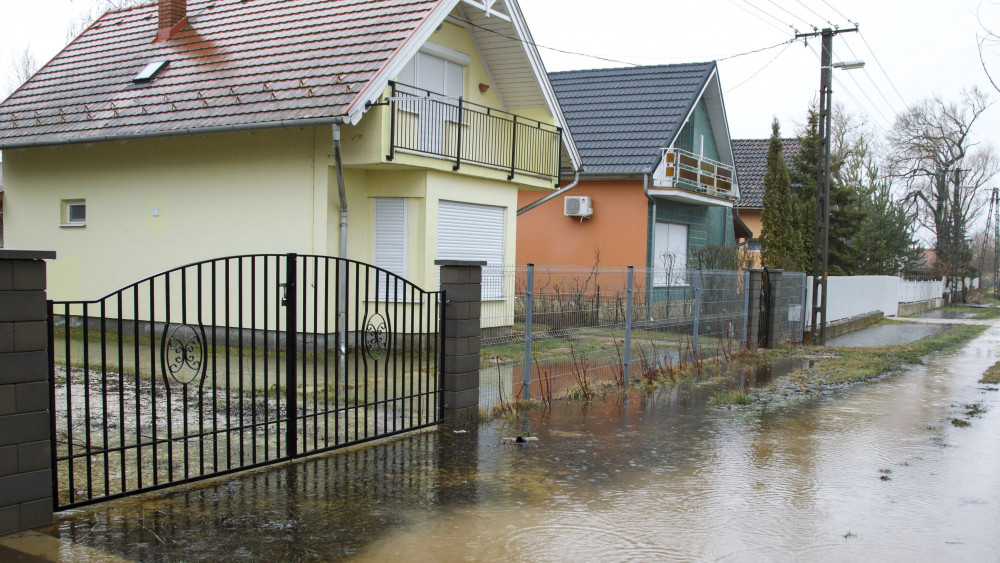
926, 48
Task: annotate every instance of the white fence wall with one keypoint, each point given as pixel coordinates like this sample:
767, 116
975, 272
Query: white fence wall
851, 296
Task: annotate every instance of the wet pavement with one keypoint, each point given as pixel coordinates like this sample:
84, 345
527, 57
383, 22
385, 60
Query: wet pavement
883, 334
877, 472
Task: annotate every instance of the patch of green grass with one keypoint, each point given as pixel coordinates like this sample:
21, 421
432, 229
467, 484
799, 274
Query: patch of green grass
992, 374
732, 397
958, 422
852, 365
976, 312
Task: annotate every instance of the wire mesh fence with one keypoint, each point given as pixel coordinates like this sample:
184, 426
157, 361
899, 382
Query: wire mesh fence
550, 329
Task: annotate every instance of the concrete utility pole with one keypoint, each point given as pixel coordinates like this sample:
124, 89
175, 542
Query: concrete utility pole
821, 244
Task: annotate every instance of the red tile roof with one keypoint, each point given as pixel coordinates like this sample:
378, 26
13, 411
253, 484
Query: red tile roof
238, 63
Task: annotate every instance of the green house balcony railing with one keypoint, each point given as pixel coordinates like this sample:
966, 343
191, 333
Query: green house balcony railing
430, 124
687, 170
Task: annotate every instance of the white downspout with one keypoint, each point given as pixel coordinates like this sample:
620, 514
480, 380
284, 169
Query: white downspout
342, 192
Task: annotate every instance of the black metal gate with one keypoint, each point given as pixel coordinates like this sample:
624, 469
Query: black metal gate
766, 311
234, 363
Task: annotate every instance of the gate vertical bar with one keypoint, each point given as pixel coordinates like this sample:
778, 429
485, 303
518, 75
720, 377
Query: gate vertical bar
291, 353
628, 325
528, 313
53, 453
697, 312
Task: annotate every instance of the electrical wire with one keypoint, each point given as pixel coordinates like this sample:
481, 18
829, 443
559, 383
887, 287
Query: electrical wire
857, 103
815, 13
882, 68
838, 12
782, 30
769, 14
872, 80
752, 76
566, 52
794, 17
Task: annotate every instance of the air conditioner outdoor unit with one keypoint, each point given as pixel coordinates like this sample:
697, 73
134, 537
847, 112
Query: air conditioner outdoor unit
577, 206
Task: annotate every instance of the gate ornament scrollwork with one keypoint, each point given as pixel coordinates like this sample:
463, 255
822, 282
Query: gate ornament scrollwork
376, 336
183, 353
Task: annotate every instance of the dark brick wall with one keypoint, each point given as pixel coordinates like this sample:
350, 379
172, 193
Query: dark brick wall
25, 454
462, 284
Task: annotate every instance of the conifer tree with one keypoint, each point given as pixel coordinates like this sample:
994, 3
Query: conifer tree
779, 238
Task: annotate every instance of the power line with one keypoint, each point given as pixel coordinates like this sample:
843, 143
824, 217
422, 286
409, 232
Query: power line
872, 80
598, 57
882, 68
817, 14
752, 76
794, 17
857, 103
838, 12
769, 14
733, 2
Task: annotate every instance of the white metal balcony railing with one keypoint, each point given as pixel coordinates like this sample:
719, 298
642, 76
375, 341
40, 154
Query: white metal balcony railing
687, 170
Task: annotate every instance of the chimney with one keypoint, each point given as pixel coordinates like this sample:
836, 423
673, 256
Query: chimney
173, 17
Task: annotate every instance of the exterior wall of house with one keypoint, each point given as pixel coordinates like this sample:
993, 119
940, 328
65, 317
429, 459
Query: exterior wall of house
698, 125
617, 229
155, 204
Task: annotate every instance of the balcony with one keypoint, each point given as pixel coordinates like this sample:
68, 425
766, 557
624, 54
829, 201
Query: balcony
429, 124
704, 176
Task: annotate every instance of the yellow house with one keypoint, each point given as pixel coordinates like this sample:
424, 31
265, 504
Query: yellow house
393, 132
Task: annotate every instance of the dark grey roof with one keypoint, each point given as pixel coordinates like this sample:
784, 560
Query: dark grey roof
750, 156
621, 117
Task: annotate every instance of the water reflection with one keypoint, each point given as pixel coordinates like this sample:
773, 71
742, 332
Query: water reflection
874, 473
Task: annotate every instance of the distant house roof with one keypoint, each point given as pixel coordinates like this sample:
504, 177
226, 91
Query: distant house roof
750, 157
621, 117
253, 64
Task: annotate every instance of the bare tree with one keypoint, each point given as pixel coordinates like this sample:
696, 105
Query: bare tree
989, 41
944, 171
94, 10
22, 67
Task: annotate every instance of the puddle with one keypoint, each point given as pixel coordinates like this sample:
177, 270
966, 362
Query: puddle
942, 314
882, 335
876, 472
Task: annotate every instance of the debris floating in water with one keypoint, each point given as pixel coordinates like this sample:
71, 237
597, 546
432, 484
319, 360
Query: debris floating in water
520, 440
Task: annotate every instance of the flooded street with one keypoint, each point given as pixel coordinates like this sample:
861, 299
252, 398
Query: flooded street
877, 472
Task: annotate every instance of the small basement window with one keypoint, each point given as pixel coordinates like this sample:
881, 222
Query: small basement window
74, 213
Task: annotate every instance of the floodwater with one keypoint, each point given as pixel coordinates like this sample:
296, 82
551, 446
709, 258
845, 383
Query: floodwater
877, 472
942, 314
881, 335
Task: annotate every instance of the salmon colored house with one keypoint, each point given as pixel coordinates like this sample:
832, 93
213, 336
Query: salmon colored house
658, 180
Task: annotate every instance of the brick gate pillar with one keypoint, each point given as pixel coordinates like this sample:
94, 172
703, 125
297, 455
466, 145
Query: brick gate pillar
753, 308
25, 449
462, 283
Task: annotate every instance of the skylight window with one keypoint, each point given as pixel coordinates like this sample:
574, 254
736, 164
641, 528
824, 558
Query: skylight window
149, 71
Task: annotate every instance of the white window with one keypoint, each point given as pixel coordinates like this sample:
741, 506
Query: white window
468, 231
439, 78
390, 249
670, 244
73, 213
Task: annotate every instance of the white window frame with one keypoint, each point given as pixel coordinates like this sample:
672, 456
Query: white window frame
670, 267
66, 213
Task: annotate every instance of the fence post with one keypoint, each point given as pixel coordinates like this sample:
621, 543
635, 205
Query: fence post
291, 355
774, 324
628, 325
461, 282
755, 276
746, 306
529, 298
802, 311
27, 394
697, 311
